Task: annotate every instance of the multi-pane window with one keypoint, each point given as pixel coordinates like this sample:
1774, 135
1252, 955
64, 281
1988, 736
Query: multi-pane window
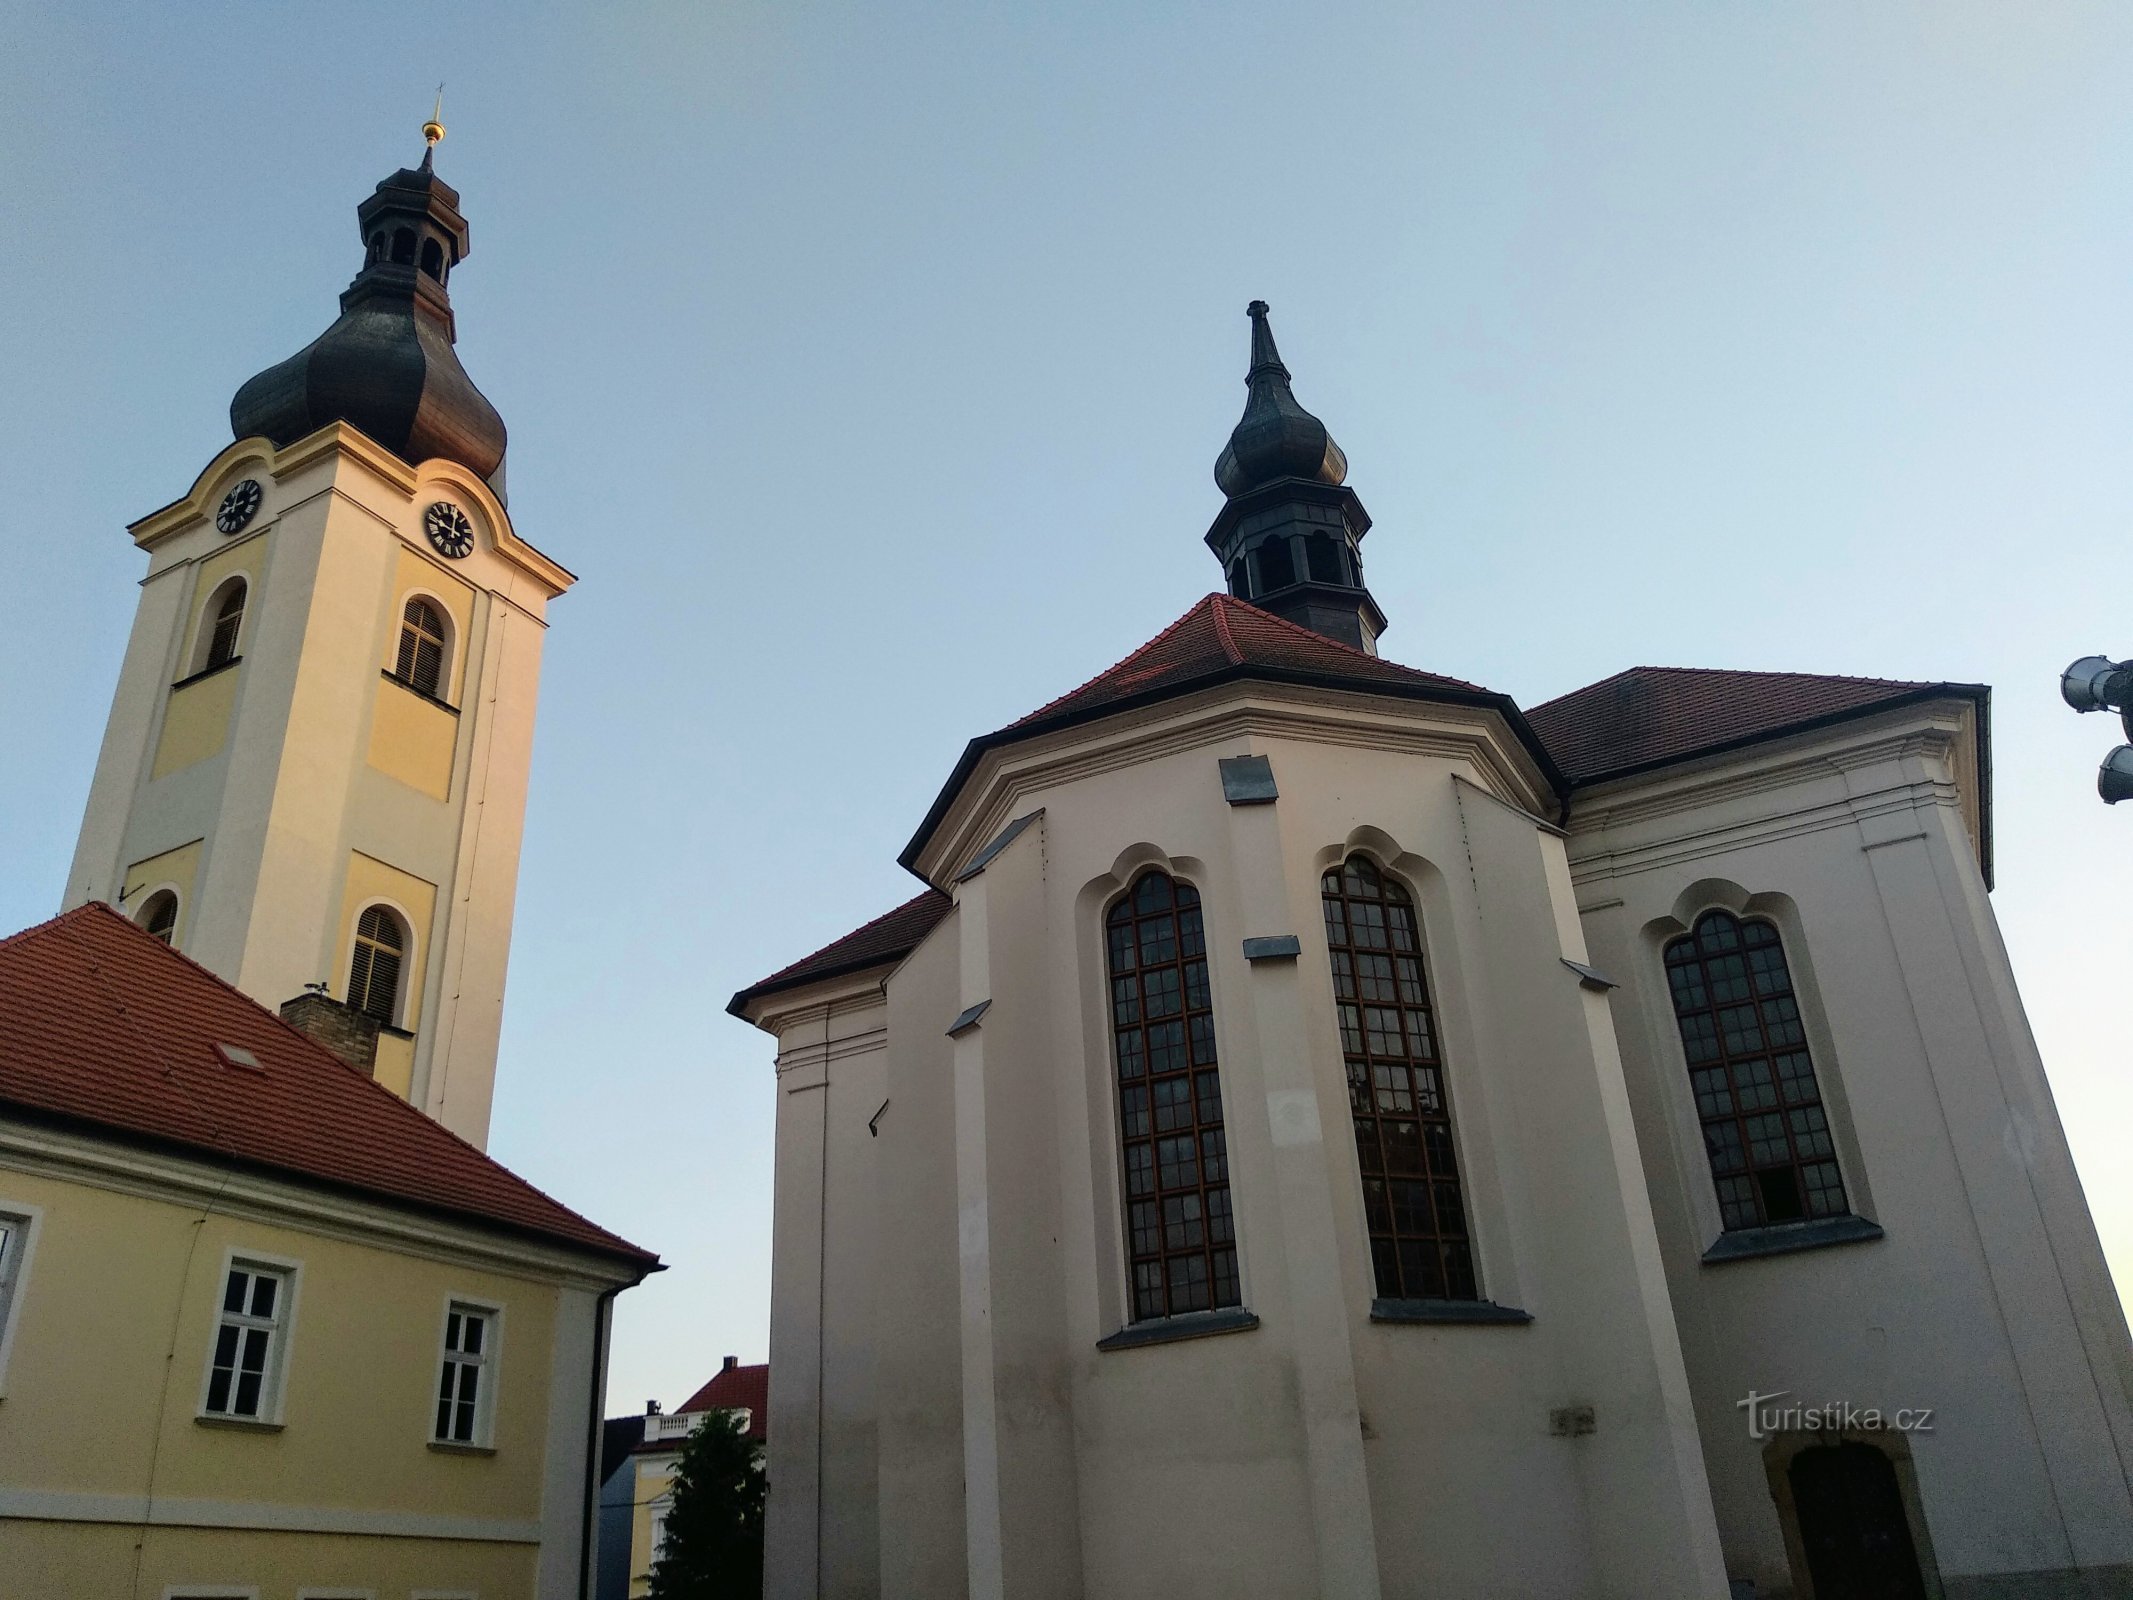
420, 663
160, 915
463, 1399
374, 970
244, 1370
1412, 1199
1181, 1241
14, 1239
229, 621
1764, 1125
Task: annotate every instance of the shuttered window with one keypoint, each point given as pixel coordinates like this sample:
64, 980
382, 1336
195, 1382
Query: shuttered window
420, 664
374, 974
160, 915
1413, 1199
1181, 1241
229, 621
1764, 1126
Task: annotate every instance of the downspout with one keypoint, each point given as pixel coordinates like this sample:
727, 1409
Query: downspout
603, 1310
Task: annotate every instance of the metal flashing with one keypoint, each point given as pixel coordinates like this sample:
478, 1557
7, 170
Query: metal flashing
1590, 977
1248, 780
1783, 1238
1273, 947
968, 1017
1006, 837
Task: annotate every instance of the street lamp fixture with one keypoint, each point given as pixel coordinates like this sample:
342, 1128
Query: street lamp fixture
2096, 683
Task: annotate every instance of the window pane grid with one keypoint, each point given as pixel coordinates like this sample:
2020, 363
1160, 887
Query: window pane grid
229, 621
1181, 1249
1413, 1202
250, 1321
459, 1384
1764, 1126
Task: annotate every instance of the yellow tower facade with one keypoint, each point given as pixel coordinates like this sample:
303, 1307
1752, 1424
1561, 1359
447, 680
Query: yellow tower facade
314, 774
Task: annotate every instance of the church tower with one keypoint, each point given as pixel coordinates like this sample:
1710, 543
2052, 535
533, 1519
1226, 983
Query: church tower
314, 775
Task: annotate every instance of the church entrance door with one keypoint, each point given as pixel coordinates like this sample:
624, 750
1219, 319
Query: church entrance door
1852, 1524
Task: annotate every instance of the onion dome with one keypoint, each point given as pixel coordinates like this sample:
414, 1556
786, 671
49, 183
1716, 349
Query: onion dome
387, 366
1276, 438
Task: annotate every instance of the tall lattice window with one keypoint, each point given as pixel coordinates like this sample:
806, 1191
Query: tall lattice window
466, 1387
374, 972
228, 623
420, 663
1764, 1126
1412, 1196
1181, 1240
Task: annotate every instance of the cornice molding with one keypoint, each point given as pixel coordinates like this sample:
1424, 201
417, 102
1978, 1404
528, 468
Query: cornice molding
235, 1191
260, 1516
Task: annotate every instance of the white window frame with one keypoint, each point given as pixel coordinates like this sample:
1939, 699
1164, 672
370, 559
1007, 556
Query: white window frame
23, 1223
273, 1388
488, 1365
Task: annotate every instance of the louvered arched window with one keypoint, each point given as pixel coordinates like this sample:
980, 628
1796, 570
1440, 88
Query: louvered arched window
374, 971
227, 623
159, 915
1764, 1126
1181, 1241
420, 663
1413, 1200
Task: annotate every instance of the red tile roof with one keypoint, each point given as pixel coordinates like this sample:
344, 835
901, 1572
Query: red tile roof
735, 1388
889, 937
1650, 716
101, 1024
1220, 636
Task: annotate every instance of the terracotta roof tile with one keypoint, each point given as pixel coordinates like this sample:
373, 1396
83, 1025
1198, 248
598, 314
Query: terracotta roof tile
889, 937
1649, 716
736, 1388
1220, 635
104, 1025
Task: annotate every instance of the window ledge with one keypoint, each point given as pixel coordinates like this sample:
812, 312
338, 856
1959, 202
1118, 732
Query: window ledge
392, 1032
1192, 1325
207, 1419
207, 672
451, 1447
391, 676
1447, 1311
1783, 1238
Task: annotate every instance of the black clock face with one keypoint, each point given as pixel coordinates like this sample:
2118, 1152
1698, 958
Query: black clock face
239, 506
449, 530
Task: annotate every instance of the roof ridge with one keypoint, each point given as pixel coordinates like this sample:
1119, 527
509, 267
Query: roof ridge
1222, 603
1202, 604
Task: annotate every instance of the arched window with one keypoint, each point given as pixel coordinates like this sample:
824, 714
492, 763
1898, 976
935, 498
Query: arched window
1322, 557
1240, 583
374, 973
1764, 1127
1413, 1202
404, 246
1181, 1241
376, 252
433, 259
159, 915
420, 663
1277, 567
227, 622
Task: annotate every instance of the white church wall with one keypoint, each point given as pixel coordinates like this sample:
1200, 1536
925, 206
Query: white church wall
1987, 1300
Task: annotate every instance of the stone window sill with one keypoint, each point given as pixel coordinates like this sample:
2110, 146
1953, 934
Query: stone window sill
391, 676
451, 1447
1192, 1325
240, 1424
1447, 1311
206, 672
1748, 1244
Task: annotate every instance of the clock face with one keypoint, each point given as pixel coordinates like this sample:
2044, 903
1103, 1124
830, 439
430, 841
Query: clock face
449, 530
239, 506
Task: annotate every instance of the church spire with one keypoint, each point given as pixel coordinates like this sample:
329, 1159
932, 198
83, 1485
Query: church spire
1290, 536
387, 366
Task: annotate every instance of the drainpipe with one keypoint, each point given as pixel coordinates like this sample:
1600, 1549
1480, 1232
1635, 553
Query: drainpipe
603, 1310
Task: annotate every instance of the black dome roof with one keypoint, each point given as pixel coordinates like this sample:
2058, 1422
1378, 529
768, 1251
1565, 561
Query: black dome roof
1276, 437
387, 366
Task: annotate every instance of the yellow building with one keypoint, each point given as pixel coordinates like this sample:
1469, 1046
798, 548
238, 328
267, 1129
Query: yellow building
742, 1391
265, 1330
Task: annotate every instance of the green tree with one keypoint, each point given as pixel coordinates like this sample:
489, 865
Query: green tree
714, 1530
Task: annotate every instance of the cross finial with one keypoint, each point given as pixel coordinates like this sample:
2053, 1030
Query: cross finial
433, 130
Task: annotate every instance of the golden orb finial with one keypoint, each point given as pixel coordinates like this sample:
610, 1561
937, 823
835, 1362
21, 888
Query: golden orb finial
433, 130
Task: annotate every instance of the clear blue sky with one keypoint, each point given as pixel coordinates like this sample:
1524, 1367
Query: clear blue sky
868, 363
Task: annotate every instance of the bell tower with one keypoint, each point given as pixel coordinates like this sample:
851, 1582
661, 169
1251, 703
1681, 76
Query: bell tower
314, 774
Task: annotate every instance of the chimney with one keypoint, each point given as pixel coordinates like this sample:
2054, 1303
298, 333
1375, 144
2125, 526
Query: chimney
731, 1363
348, 1033
651, 1408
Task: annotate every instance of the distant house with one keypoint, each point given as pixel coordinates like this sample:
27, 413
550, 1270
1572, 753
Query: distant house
735, 1388
265, 1328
